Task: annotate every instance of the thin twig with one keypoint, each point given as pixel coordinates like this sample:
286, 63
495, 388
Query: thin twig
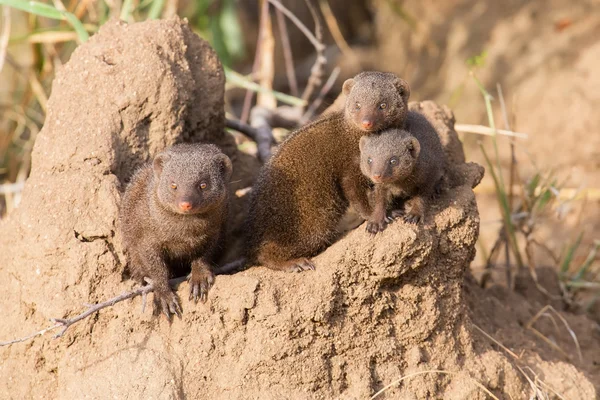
264, 10
323, 92
334, 28
287, 53
66, 323
316, 71
315, 42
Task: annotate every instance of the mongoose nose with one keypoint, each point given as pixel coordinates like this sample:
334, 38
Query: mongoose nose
367, 124
376, 178
185, 205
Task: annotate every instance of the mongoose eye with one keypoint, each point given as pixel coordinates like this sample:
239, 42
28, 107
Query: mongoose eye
173, 186
383, 106
394, 160
369, 160
357, 106
203, 185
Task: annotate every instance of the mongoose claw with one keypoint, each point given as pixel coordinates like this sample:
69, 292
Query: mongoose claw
377, 226
301, 265
200, 285
167, 303
413, 218
395, 214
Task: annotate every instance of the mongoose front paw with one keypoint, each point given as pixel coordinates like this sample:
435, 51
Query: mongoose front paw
395, 214
379, 225
166, 301
413, 218
301, 264
200, 284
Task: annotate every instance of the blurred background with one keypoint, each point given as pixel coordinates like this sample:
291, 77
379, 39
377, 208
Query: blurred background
529, 67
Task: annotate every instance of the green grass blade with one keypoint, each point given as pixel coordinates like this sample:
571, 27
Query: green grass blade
564, 267
241, 81
504, 209
46, 10
126, 9
77, 25
156, 9
33, 7
587, 263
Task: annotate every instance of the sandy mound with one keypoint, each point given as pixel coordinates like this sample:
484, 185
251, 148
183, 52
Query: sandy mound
375, 309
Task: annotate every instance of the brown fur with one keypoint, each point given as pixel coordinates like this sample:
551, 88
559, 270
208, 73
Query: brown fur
166, 227
404, 164
304, 190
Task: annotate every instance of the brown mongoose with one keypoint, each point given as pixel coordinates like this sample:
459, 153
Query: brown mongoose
172, 215
403, 164
305, 188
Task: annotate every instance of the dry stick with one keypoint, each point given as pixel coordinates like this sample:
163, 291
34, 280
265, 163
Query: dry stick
334, 28
317, 102
316, 71
287, 53
264, 9
242, 127
66, 323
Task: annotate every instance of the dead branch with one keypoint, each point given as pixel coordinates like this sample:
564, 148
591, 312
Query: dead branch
66, 323
287, 53
317, 102
264, 11
241, 127
316, 72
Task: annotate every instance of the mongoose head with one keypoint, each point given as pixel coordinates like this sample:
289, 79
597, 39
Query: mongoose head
376, 100
191, 178
389, 157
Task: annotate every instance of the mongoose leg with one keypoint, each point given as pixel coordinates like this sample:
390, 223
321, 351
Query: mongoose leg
414, 210
164, 298
201, 280
377, 222
356, 191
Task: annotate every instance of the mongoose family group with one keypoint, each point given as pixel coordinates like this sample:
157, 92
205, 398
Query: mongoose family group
373, 155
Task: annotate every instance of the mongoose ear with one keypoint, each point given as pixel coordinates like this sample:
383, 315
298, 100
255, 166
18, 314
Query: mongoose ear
348, 85
403, 89
226, 167
159, 163
362, 143
413, 146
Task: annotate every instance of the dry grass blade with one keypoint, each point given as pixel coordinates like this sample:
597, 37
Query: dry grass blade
537, 390
551, 343
495, 341
484, 130
434, 371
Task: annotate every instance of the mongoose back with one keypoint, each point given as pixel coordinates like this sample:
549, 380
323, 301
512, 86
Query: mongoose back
402, 164
305, 188
173, 213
